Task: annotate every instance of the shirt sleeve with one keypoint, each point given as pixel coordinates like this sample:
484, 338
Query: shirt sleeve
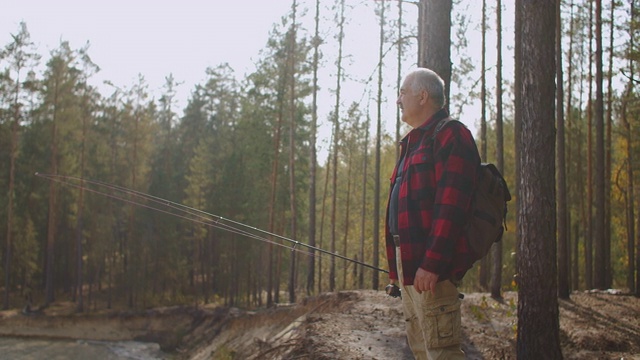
456, 165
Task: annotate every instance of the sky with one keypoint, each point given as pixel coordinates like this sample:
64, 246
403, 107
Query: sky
128, 38
152, 38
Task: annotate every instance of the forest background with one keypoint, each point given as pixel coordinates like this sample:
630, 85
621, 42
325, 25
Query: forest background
249, 148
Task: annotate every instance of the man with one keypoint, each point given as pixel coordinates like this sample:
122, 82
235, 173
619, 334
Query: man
429, 202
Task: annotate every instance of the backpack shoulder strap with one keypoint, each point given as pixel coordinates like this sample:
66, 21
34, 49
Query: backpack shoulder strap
439, 126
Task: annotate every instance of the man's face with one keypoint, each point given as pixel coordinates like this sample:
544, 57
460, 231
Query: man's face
410, 103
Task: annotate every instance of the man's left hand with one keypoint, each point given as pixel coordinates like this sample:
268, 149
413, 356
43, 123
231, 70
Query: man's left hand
425, 281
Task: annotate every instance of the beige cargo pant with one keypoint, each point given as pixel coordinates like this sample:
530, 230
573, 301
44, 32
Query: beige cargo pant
434, 329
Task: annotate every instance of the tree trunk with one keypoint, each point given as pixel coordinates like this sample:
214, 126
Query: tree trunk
588, 246
273, 294
79, 220
600, 252
325, 194
363, 215
496, 252
485, 263
375, 281
561, 180
629, 193
538, 315
573, 258
313, 161
517, 126
292, 150
608, 154
399, 77
51, 226
336, 138
13, 154
634, 266
434, 39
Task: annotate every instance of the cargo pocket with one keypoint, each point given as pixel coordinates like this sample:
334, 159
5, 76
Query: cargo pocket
442, 322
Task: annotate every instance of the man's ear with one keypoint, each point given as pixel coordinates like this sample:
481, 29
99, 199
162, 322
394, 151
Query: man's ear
424, 96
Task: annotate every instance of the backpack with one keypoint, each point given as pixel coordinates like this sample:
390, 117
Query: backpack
487, 222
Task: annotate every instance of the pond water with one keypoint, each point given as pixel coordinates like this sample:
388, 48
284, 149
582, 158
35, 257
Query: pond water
37, 349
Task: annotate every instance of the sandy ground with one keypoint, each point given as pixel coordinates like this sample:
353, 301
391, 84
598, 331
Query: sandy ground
369, 325
363, 324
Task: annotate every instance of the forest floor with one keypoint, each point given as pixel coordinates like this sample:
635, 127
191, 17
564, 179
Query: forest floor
361, 324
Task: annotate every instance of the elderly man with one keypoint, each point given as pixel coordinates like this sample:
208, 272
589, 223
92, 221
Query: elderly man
429, 202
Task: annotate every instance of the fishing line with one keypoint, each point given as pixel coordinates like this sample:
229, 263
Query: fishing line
191, 214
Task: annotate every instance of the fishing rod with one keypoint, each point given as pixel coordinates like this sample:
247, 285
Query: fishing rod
190, 214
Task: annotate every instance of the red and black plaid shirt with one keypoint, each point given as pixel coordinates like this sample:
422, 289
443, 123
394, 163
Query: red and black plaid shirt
434, 200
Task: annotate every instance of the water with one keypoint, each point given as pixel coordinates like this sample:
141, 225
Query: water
38, 349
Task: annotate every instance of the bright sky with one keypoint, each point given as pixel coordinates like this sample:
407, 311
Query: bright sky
152, 38
183, 38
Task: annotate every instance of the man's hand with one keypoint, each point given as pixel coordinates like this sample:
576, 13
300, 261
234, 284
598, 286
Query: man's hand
425, 281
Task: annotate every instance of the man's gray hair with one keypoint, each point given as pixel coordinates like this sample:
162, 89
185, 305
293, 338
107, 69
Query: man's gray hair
432, 83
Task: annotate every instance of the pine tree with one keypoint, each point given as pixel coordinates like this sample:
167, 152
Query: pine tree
538, 314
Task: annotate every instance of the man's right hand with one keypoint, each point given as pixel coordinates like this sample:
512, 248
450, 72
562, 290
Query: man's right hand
425, 281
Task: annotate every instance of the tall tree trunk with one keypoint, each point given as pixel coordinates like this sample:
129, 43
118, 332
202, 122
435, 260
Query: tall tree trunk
336, 139
634, 266
571, 188
561, 180
483, 276
538, 315
434, 50
363, 215
347, 214
273, 290
51, 226
79, 220
129, 272
608, 154
588, 246
496, 252
313, 160
325, 194
292, 150
375, 281
399, 77
13, 154
600, 252
517, 122
629, 193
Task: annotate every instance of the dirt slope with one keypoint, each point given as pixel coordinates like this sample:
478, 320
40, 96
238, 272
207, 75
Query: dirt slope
350, 325
369, 325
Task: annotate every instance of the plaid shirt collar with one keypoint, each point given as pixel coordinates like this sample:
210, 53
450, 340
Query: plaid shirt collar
429, 125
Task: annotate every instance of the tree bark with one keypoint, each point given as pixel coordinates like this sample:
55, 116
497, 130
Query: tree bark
608, 153
292, 150
538, 315
434, 39
561, 180
588, 246
483, 276
336, 138
600, 271
496, 252
313, 160
365, 162
375, 281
